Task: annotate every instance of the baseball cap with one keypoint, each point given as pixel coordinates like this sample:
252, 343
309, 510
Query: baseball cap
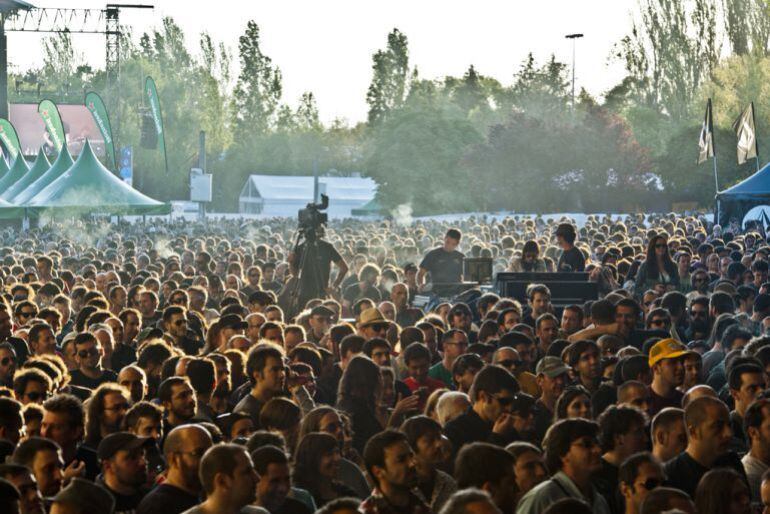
232, 321
88, 496
551, 366
666, 349
118, 441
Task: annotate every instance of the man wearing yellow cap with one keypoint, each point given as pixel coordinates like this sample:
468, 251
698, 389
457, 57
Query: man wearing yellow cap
667, 365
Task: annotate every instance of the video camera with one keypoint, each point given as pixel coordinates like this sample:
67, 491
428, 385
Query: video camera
311, 218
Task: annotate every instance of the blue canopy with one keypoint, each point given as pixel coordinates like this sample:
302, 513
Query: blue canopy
735, 202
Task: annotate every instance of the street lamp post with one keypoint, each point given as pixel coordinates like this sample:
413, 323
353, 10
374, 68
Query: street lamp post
573, 37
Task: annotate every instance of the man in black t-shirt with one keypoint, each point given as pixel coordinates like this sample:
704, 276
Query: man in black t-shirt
571, 258
444, 264
314, 281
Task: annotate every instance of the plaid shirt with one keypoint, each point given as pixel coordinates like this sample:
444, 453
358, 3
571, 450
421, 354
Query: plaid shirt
376, 503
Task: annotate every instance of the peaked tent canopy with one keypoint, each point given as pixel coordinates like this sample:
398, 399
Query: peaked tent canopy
735, 202
39, 167
59, 166
89, 187
18, 169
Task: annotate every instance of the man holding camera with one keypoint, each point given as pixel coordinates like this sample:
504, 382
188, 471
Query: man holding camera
313, 274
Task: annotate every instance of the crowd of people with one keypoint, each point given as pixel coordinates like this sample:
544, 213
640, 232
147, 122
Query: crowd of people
165, 368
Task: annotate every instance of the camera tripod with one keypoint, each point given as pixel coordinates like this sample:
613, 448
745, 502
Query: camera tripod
308, 266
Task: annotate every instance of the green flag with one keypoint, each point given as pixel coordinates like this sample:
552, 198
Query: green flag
52, 120
95, 104
154, 100
9, 138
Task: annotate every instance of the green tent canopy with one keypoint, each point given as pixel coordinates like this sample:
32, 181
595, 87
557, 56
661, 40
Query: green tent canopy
89, 187
371, 208
59, 166
18, 169
39, 167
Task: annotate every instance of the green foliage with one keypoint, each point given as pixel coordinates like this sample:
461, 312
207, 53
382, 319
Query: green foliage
390, 69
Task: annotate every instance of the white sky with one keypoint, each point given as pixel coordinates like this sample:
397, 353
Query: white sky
325, 46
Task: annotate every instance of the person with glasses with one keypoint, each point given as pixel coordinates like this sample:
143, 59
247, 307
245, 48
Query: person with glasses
88, 355
373, 324
183, 448
23, 313
31, 385
490, 416
658, 268
699, 326
106, 410
454, 343
175, 326
573, 453
700, 283
659, 319
638, 475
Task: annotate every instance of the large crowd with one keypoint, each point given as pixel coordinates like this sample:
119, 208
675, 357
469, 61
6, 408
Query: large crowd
168, 367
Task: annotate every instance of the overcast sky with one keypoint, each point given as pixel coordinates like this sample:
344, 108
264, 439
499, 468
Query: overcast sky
325, 46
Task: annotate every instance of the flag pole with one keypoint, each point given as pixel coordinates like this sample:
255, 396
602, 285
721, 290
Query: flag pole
716, 186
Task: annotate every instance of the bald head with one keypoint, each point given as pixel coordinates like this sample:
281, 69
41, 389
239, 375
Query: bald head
699, 410
181, 439
698, 391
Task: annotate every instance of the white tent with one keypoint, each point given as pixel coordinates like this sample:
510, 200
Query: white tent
281, 195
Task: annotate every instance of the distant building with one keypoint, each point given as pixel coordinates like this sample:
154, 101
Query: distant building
281, 195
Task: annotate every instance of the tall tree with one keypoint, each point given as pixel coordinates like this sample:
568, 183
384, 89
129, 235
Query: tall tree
390, 70
259, 88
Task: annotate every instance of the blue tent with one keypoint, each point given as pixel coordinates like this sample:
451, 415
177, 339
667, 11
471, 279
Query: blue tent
734, 202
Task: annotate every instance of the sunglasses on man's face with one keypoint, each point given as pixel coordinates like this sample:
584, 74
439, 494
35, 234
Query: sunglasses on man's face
26, 314
379, 327
84, 354
7, 360
36, 396
510, 363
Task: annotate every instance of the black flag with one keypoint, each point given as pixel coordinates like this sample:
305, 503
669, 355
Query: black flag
746, 131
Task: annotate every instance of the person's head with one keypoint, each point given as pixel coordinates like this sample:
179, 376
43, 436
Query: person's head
43, 457
764, 491
529, 466
539, 297
571, 319
122, 459
316, 460
464, 370
282, 415
455, 343
552, 376
41, 339
183, 449
450, 405
11, 420
490, 468
574, 402
63, 420
572, 446
417, 360
134, 379
623, 431
707, 422
361, 381
272, 466
666, 363
30, 501
746, 382
175, 321
390, 461
667, 499
584, 357
493, 392
106, 410
639, 474
668, 433
266, 369
144, 419
546, 329
426, 439
452, 239
466, 501
227, 473
178, 399
88, 352
722, 491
